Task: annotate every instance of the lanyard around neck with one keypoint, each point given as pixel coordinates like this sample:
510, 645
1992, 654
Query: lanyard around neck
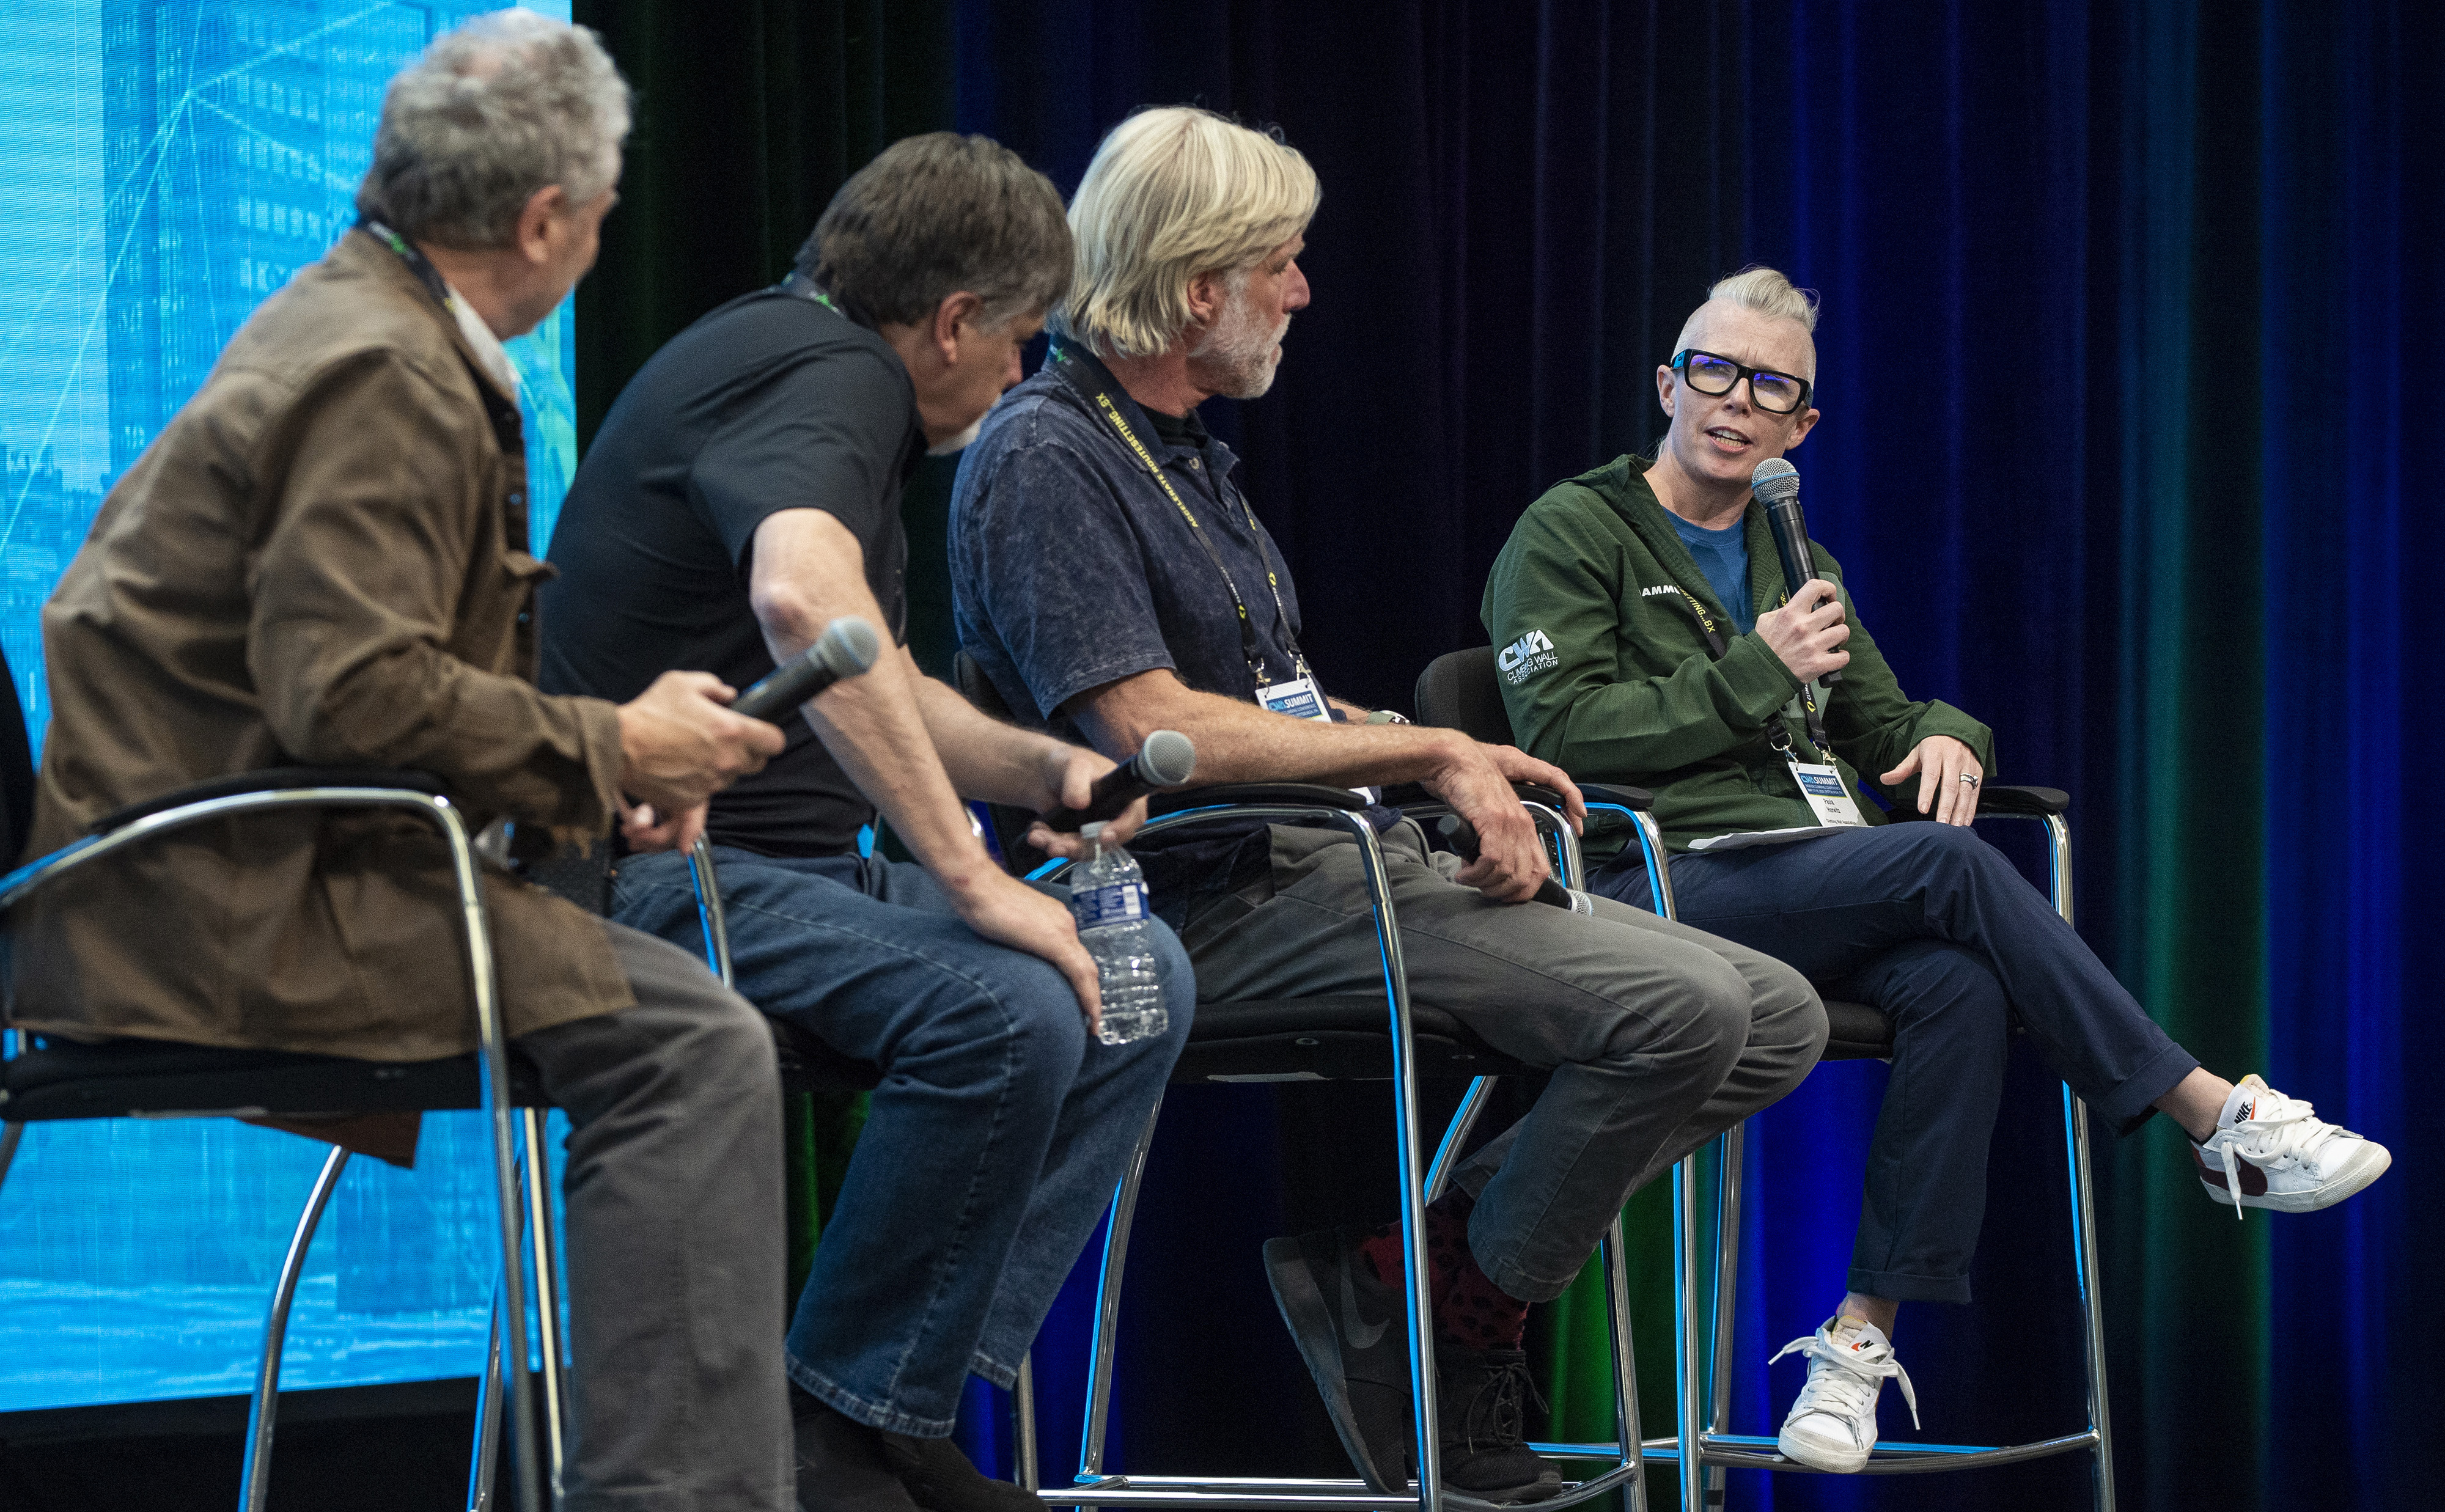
807, 289
417, 262
1248, 645
1776, 736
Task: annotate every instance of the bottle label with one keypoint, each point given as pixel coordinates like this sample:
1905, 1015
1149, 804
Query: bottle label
1113, 903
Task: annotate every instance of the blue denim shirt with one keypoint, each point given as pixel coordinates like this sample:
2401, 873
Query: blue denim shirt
1072, 568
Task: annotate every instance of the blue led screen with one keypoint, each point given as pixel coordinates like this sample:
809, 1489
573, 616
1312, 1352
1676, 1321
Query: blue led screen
164, 165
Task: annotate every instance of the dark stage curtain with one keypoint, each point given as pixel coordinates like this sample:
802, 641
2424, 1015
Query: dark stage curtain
2124, 315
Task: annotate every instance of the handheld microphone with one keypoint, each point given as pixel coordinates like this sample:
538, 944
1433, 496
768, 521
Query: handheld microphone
1167, 759
848, 646
1776, 483
1463, 837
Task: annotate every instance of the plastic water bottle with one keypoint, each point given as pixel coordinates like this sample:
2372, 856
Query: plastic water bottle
1108, 897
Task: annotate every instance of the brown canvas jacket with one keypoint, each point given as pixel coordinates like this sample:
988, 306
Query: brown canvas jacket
320, 561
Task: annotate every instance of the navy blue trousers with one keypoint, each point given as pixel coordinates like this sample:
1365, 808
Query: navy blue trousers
1930, 924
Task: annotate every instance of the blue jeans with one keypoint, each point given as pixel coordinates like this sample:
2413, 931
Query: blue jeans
991, 1146
1932, 926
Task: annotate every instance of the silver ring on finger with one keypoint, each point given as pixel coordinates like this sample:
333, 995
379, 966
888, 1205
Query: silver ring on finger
1971, 778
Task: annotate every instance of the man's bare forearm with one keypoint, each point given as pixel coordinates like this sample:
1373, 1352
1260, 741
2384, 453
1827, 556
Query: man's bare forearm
808, 572
984, 757
1240, 742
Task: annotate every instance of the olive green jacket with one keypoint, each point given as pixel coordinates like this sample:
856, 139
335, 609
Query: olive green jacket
1599, 613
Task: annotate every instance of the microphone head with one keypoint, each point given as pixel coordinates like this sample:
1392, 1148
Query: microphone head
1774, 481
1169, 760
848, 646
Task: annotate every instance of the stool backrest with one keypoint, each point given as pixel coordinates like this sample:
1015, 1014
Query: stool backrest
1458, 691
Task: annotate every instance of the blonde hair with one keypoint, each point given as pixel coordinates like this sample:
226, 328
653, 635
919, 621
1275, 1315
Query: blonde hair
1173, 193
1763, 290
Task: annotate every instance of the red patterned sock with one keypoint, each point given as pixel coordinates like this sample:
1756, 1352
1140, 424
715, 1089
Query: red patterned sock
1469, 1309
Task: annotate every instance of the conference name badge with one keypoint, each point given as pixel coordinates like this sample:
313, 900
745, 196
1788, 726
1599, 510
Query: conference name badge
1299, 698
1823, 789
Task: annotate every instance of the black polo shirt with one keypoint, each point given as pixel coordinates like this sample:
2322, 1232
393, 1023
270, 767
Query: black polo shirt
771, 402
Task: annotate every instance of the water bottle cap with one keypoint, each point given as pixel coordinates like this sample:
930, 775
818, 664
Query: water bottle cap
1092, 832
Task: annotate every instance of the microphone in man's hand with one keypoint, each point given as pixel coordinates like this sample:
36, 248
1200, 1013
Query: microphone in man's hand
1776, 483
1462, 835
848, 646
1167, 759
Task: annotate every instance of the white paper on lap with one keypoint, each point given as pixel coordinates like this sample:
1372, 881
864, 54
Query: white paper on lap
1768, 837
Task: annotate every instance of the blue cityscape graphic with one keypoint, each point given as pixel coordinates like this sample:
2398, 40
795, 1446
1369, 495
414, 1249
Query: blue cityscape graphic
164, 165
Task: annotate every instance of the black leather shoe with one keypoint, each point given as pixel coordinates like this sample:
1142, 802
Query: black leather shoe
841, 1465
942, 1478
1480, 1405
1351, 1331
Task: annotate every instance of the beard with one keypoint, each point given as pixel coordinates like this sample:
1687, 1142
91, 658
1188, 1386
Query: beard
1238, 355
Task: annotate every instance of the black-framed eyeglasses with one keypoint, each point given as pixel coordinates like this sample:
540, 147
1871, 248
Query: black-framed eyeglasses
1711, 373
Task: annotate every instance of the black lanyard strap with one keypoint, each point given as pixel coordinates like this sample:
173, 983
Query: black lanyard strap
1249, 648
417, 262
1776, 736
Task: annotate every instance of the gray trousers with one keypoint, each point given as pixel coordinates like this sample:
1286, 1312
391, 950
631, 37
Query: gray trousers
675, 1255
1659, 1036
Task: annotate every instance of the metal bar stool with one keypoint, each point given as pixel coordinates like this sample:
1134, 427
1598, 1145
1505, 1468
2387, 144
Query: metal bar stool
1460, 690
1336, 1039
129, 1077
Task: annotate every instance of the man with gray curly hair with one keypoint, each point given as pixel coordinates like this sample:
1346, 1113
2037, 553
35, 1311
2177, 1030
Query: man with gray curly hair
322, 561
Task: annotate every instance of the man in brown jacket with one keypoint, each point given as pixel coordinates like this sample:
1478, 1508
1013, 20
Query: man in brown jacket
323, 560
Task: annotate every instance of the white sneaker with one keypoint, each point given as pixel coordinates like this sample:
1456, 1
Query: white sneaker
2269, 1151
1833, 1425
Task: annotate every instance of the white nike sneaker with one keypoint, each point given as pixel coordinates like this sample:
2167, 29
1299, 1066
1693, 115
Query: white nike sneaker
2268, 1151
1833, 1425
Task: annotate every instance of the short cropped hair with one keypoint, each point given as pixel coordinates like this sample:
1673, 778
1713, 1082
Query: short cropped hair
1760, 289
1174, 193
935, 216
497, 108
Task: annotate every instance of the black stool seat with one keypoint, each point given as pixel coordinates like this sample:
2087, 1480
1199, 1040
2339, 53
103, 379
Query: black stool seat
138, 1078
1329, 1039
1856, 1032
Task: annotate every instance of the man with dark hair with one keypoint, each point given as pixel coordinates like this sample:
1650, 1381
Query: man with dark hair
743, 491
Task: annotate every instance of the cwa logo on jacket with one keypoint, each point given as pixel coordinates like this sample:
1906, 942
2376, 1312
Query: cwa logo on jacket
1525, 657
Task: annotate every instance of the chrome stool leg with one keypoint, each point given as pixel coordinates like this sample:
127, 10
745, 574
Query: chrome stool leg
1108, 1303
485, 1462
536, 1168
255, 1478
1730, 1147
1423, 1407
12, 1136
1625, 1368
2083, 1221
1690, 1470
1463, 1119
1022, 1408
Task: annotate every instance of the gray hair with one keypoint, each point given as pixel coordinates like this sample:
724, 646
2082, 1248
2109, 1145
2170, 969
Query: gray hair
1760, 289
1173, 193
497, 108
938, 215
